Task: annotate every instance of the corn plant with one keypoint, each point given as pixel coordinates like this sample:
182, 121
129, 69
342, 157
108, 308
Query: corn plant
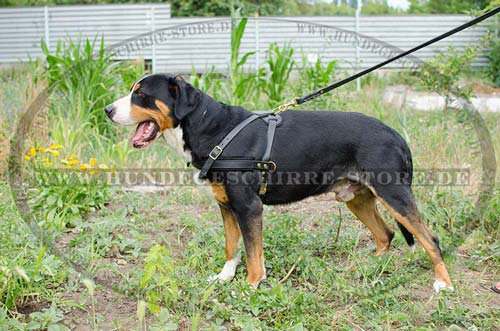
83, 81
280, 64
208, 82
313, 76
242, 85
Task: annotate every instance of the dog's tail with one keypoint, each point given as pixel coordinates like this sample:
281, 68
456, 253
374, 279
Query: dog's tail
407, 234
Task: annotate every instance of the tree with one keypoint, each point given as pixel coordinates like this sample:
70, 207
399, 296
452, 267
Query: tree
446, 7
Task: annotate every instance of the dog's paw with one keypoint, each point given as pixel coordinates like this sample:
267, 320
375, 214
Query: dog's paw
440, 285
228, 271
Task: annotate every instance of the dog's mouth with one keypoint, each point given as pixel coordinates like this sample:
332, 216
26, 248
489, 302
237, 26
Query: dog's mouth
146, 132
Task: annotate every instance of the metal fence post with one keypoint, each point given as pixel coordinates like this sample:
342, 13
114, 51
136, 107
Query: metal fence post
153, 43
46, 26
257, 43
358, 12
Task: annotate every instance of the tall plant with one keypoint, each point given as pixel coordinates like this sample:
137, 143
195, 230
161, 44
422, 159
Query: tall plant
83, 80
242, 84
281, 63
313, 76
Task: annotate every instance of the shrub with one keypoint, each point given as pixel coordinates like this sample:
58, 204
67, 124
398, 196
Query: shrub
442, 73
64, 196
493, 55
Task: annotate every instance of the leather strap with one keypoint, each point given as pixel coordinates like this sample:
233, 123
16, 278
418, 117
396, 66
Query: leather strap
271, 129
217, 150
239, 165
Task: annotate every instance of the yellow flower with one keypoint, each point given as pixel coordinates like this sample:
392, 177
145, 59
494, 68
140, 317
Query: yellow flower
92, 161
54, 153
55, 146
92, 172
48, 164
32, 151
84, 166
103, 166
72, 156
27, 157
73, 162
42, 150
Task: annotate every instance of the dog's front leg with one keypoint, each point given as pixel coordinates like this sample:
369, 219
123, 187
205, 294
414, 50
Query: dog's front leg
249, 216
232, 234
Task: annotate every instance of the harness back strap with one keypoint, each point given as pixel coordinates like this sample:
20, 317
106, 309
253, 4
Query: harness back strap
217, 150
273, 123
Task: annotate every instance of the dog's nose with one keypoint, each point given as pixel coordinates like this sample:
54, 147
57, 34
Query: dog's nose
109, 109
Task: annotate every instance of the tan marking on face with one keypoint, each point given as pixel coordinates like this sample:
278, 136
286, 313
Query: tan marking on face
220, 193
136, 87
162, 117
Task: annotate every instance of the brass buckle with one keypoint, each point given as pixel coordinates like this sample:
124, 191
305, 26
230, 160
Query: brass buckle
273, 168
217, 150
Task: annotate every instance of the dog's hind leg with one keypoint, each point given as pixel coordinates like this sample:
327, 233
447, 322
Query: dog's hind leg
364, 207
400, 202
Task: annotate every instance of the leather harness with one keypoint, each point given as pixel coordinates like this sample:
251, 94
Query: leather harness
265, 165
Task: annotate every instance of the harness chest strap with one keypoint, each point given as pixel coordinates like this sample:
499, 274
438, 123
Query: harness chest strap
265, 165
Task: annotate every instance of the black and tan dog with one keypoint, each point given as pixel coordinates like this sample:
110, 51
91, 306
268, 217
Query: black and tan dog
360, 154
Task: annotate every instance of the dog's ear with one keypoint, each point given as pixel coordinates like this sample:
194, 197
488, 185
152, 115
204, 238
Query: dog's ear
186, 96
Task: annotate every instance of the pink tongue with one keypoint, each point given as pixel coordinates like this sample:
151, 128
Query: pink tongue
137, 137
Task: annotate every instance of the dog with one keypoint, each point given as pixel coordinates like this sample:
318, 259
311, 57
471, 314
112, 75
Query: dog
344, 145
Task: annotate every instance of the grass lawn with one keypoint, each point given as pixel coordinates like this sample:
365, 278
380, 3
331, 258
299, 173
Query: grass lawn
336, 282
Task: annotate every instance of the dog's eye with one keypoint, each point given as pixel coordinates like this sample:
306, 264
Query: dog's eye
139, 93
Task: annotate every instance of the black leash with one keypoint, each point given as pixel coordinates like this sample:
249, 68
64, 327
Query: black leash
317, 93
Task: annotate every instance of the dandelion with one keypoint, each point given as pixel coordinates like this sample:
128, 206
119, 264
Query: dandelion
55, 146
32, 151
42, 150
27, 157
92, 161
84, 166
72, 156
73, 162
48, 164
102, 166
54, 153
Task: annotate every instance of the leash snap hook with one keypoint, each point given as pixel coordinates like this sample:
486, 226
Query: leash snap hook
285, 106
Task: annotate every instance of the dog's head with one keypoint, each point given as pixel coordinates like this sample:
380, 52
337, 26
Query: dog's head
155, 103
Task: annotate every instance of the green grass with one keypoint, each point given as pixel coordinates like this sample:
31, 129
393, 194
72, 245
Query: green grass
335, 285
